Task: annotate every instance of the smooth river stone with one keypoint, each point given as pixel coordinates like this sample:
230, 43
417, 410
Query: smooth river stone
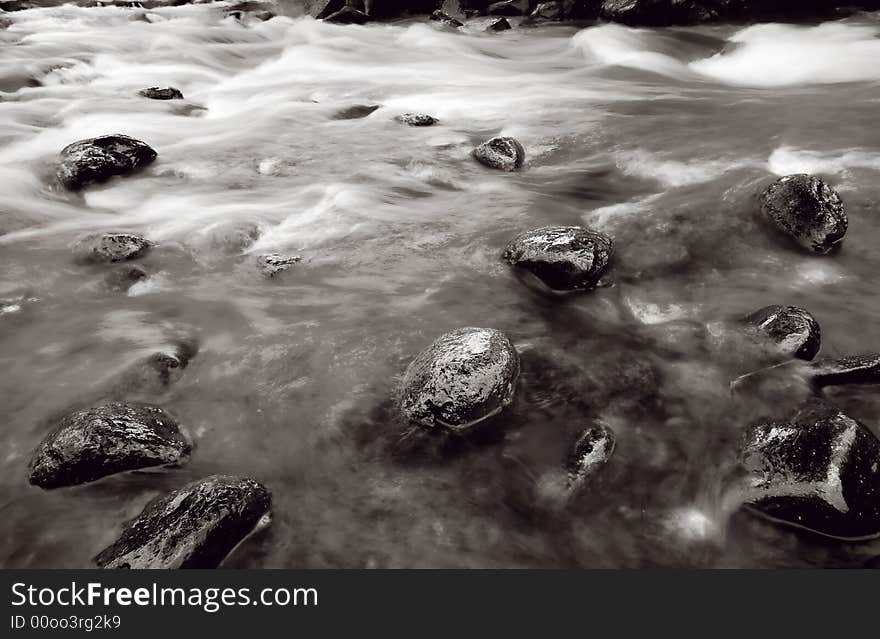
104, 440
463, 378
565, 258
793, 330
819, 471
503, 153
99, 159
806, 209
196, 526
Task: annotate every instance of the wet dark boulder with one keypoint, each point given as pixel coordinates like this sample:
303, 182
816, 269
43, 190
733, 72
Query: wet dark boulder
858, 369
161, 93
590, 452
107, 439
99, 159
110, 247
196, 526
446, 19
503, 153
806, 209
819, 470
661, 12
463, 378
792, 330
501, 24
564, 258
355, 112
348, 15
416, 119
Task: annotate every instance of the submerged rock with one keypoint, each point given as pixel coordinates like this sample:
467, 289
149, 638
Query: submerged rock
98, 159
463, 378
156, 372
565, 258
355, 112
416, 119
104, 440
124, 277
501, 24
196, 526
819, 471
793, 330
503, 153
590, 452
445, 18
161, 93
111, 247
272, 263
858, 369
806, 209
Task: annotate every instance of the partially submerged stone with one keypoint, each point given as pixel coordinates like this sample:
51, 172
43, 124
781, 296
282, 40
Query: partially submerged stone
792, 330
196, 526
161, 93
564, 258
806, 209
124, 277
463, 378
272, 264
355, 112
99, 159
858, 369
111, 247
416, 119
591, 451
503, 153
104, 440
819, 471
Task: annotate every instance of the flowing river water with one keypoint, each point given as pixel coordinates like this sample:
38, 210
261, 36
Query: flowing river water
660, 138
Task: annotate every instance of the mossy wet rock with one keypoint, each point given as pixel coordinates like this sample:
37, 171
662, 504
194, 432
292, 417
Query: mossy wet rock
99, 159
463, 378
564, 258
793, 330
503, 153
161, 93
104, 440
819, 471
416, 119
806, 209
110, 247
196, 526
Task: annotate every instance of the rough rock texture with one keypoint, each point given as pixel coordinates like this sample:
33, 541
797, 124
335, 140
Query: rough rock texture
98, 159
161, 93
807, 210
446, 19
416, 119
107, 439
793, 330
565, 258
355, 112
859, 369
590, 452
501, 24
196, 526
464, 377
503, 153
271, 264
110, 247
819, 471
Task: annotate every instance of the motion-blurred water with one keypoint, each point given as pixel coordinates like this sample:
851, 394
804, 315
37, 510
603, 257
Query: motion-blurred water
658, 137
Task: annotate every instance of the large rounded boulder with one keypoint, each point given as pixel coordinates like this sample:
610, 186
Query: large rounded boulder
806, 209
99, 159
564, 258
793, 331
503, 153
463, 378
196, 526
819, 471
107, 439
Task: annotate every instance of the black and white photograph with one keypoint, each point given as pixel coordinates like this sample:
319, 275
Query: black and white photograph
427, 284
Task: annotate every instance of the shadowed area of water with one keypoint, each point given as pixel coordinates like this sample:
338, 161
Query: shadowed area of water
659, 137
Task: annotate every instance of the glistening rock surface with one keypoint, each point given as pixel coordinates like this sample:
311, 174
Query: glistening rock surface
194, 527
107, 439
98, 159
806, 209
793, 330
464, 377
